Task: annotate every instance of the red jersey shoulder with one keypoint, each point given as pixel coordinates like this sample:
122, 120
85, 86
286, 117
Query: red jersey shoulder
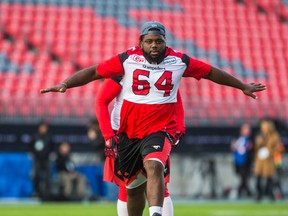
135, 50
111, 67
172, 52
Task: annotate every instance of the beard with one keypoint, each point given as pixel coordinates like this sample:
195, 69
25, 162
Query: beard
157, 59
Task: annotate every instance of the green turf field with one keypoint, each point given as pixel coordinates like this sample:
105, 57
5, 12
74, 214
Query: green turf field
105, 209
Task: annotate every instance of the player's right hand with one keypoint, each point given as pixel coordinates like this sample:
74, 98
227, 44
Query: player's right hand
57, 88
111, 147
249, 89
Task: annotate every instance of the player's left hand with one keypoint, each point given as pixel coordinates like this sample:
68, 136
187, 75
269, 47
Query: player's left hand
252, 87
111, 147
177, 138
57, 88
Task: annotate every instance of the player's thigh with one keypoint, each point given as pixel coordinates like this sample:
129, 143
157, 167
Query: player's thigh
156, 147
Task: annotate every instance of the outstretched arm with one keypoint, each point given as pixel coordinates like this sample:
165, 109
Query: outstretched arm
79, 78
221, 77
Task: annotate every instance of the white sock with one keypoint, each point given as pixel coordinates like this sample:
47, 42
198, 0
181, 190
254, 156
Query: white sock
155, 209
122, 208
168, 208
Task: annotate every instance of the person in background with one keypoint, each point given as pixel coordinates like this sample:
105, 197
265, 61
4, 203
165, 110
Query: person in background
267, 142
242, 148
69, 177
96, 138
97, 143
41, 148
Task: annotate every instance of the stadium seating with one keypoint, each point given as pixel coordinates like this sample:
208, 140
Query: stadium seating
43, 42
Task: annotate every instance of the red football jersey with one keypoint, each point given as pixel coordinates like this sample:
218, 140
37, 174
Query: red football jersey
149, 90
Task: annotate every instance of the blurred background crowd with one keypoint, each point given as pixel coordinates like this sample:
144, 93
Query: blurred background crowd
234, 147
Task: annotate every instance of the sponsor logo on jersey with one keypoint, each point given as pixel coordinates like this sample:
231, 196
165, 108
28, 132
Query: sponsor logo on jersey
156, 147
170, 60
153, 67
138, 58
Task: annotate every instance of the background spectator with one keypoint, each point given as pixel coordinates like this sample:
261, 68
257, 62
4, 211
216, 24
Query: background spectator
267, 142
41, 148
69, 177
242, 158
98, 144
95, 136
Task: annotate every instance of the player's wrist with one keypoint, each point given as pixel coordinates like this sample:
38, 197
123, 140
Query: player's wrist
109, 137
108, 134
65, 84
111, 141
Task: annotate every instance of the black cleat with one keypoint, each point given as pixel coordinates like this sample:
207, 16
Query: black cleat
156, 214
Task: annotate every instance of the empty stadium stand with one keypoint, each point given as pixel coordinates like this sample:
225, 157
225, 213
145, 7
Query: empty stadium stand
44, 41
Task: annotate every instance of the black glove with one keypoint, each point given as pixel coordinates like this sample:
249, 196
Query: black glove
111, 147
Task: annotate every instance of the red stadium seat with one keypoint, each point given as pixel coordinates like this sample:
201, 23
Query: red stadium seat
218, 32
